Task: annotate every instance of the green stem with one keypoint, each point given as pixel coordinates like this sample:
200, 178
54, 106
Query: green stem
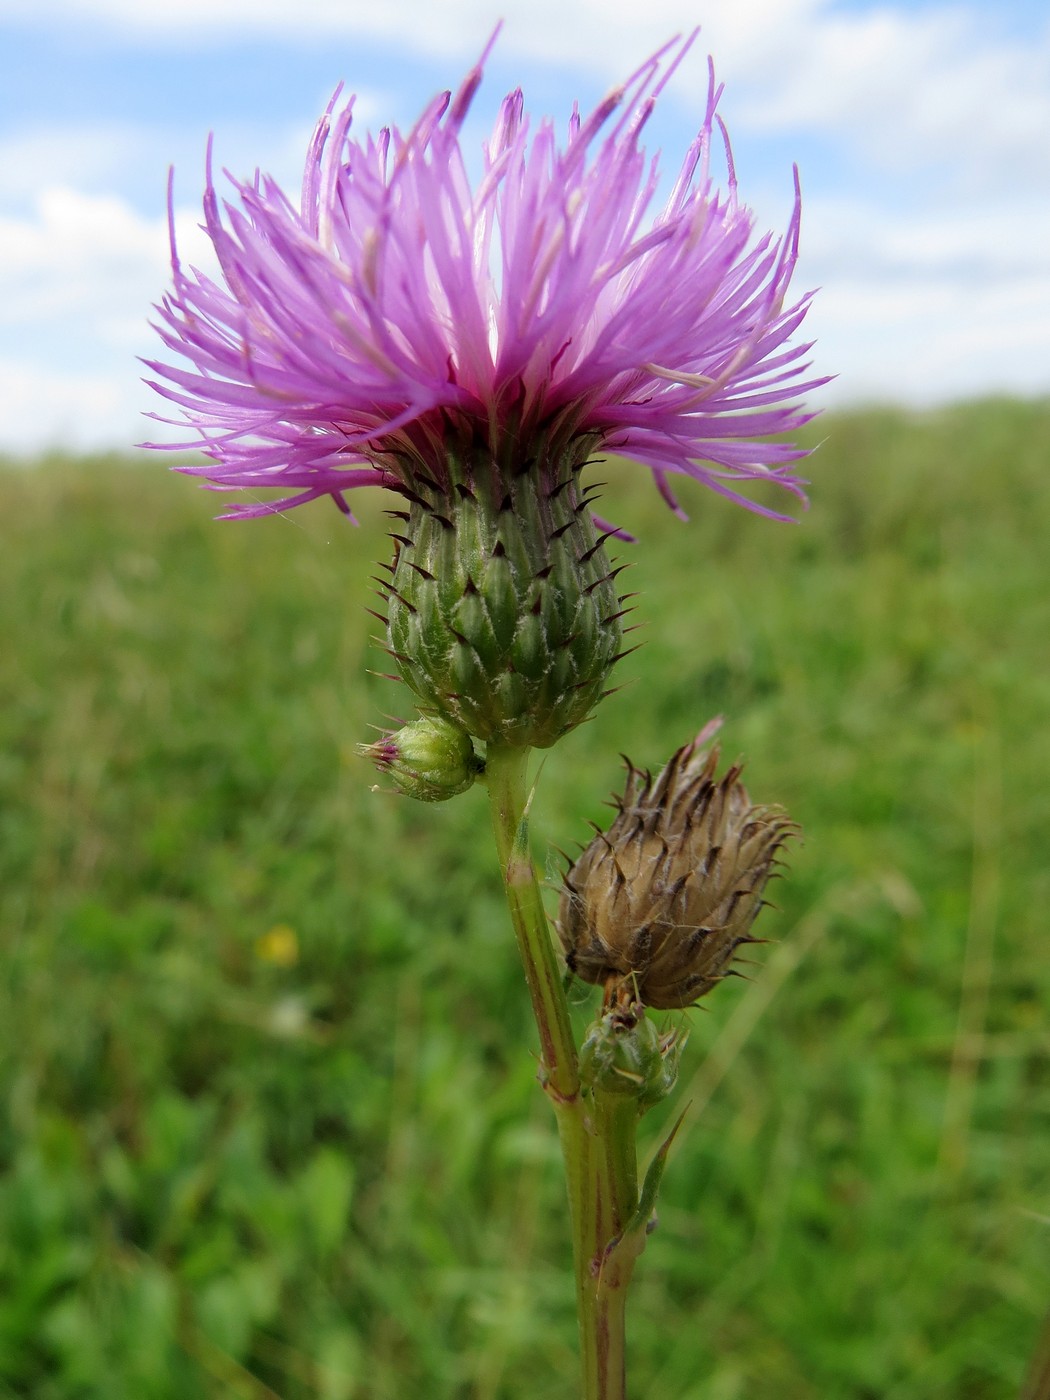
597, 1133
616, 1117
615, 1129
505, 770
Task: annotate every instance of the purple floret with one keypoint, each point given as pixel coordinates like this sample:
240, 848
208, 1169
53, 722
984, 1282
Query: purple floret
398, 304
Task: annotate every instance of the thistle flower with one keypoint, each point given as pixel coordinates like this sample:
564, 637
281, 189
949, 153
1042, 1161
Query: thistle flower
471, 349
656, 907
395, 305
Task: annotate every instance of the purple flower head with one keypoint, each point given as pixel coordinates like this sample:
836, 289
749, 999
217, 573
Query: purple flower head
396, 305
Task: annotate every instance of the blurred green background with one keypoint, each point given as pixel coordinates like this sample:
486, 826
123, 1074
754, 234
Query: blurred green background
269, 1121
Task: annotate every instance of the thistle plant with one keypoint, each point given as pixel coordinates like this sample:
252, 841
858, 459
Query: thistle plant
471, 349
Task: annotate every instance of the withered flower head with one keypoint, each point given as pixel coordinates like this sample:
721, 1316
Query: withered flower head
656, 906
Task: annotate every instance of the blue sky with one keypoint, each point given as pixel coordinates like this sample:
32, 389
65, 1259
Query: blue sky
922, 132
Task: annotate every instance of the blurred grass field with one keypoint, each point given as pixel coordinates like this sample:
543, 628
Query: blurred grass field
269, 1125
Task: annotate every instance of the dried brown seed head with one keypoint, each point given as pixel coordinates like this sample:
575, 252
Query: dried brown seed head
657, 905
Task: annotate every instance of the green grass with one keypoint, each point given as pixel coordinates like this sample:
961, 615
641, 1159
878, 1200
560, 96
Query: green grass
224, 1175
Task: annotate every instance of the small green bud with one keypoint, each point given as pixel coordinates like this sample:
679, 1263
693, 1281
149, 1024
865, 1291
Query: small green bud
624, 1054
429, 759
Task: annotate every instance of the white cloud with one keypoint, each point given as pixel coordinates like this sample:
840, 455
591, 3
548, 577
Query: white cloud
933, 341
905, 86
923, 307
82, 255
43, 409
78, 276
931, 243
84, 157
972, 241
916, 89
605, 34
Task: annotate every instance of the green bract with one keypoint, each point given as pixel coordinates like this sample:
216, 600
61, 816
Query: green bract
626, 1055
503, 614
